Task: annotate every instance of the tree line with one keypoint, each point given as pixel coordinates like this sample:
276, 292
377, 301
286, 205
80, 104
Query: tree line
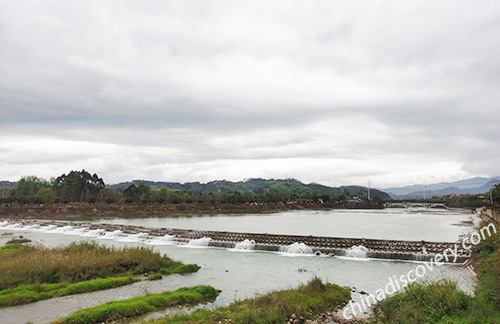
81, 186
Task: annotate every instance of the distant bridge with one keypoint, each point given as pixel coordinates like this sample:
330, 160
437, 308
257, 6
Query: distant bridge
333, 246
408, 203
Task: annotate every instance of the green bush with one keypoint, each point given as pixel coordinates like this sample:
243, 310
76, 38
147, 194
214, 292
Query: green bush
155, 276
184, 268
166, 271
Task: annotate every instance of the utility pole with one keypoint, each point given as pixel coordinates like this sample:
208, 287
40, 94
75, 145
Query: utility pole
369, 190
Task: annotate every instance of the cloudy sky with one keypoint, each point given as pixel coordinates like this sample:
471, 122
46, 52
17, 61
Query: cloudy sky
334, 92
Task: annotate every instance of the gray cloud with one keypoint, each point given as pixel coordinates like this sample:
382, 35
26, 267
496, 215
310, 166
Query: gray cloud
332, 92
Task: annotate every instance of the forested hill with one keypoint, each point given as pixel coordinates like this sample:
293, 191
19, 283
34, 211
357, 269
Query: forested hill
8, 184
282, 187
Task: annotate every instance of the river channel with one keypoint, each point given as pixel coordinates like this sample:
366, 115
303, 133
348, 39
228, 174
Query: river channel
241, 274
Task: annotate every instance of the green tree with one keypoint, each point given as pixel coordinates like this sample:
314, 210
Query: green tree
495, 194
78, 186
45, 195
6, 194
249, 197
288, 190
161, 195
131, 192
110, 196
144, 191
28, 187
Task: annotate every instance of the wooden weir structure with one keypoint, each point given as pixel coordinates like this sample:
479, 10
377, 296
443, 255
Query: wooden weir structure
321, 245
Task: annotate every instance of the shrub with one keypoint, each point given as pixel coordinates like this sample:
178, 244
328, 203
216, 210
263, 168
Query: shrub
186, 268
155, 276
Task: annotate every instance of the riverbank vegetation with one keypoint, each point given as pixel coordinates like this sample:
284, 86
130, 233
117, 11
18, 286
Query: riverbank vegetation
304, 302
139, 305
34, 272
84, 187
24, 294
77, 262
19, 240
443, 302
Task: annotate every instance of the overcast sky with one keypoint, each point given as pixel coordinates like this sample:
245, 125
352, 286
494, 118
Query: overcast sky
334, 92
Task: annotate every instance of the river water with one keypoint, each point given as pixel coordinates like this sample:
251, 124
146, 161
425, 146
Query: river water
241, 274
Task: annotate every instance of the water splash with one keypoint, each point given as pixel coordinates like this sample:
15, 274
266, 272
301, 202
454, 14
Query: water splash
357, 252
48, 228
13, 226
110, 235
245, 245
61, 229
204, 241
138, 237
34, 228
78, 231
297, 248
94, 232
164, 240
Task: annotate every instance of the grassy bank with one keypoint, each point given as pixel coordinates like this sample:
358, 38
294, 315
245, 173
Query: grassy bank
139, 305
33, 272
35, 264
30, 293
9, 248
443, 302
305, 301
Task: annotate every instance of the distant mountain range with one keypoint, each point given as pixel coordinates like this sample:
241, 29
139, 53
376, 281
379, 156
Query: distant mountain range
470, 186
8, 184
293, 186
257, 186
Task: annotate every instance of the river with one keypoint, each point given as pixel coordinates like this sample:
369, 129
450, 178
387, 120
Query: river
243, 274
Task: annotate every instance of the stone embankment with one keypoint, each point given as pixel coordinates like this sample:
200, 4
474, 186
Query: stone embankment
333, 246
490, 212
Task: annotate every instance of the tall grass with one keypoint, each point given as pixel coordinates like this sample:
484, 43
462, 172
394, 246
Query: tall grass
306, 301
443, 302
139, 305
422, 303
9, 248
76, 262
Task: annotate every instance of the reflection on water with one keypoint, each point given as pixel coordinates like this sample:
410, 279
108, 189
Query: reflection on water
240, 275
